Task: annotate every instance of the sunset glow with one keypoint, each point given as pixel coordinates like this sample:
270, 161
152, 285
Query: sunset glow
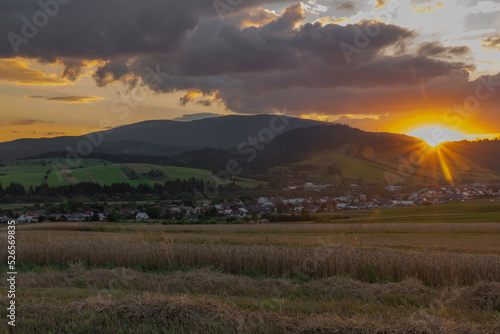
436, 135
349, 150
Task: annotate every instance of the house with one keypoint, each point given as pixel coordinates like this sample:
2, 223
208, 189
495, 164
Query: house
29, 217
141, 216
403, 203
342, 206
237, 214
4, 219
77, 217
175, 211
32, 216
61, 218
88, 214
129, 212
22, 219
262, 200
223, 206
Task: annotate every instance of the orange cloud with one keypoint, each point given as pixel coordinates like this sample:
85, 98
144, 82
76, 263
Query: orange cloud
66, 99
417, 10
492, 42
380, 3
191, 95
257, 18
18, 71
327, 20
30, 122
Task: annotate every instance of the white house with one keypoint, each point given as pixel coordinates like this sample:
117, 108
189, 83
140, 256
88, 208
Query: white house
23, 219
342, 206
141, 216
262, 200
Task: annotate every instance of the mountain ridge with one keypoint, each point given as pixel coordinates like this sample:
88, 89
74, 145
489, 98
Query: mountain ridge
157, 137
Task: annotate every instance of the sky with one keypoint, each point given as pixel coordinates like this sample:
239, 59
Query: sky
69, 67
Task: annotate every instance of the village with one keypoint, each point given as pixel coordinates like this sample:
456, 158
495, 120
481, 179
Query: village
257, 210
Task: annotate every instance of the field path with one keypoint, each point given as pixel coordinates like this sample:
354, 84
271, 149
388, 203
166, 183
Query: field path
90, 176
69, 179
139, 169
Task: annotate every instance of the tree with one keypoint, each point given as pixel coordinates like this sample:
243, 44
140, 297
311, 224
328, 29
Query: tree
188, 202
8, 198
281, 207
304, 213
15, 189
255, 215
112, 216
9, 213
153, 213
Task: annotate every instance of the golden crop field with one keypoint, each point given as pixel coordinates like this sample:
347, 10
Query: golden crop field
265, 278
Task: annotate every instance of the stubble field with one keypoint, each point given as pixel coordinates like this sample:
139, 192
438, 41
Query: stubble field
393, 277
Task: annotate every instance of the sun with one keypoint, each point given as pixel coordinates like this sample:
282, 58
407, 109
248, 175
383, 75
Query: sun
436, 135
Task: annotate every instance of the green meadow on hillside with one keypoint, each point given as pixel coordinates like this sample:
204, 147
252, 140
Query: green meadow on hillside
36, 172
376, 169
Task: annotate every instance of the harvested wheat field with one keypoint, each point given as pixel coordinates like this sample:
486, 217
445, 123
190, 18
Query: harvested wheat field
122, 300
111, 278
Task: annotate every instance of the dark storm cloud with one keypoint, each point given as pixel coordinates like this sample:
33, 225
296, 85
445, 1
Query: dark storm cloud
102, 29
438, 49
114, 70
273, 55
254, 69
440, 93
96, 29
250, 69
346, 6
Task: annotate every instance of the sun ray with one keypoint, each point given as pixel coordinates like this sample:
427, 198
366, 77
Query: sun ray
444, 166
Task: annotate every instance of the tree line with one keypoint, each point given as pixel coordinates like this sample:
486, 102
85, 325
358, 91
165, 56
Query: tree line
170, 189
